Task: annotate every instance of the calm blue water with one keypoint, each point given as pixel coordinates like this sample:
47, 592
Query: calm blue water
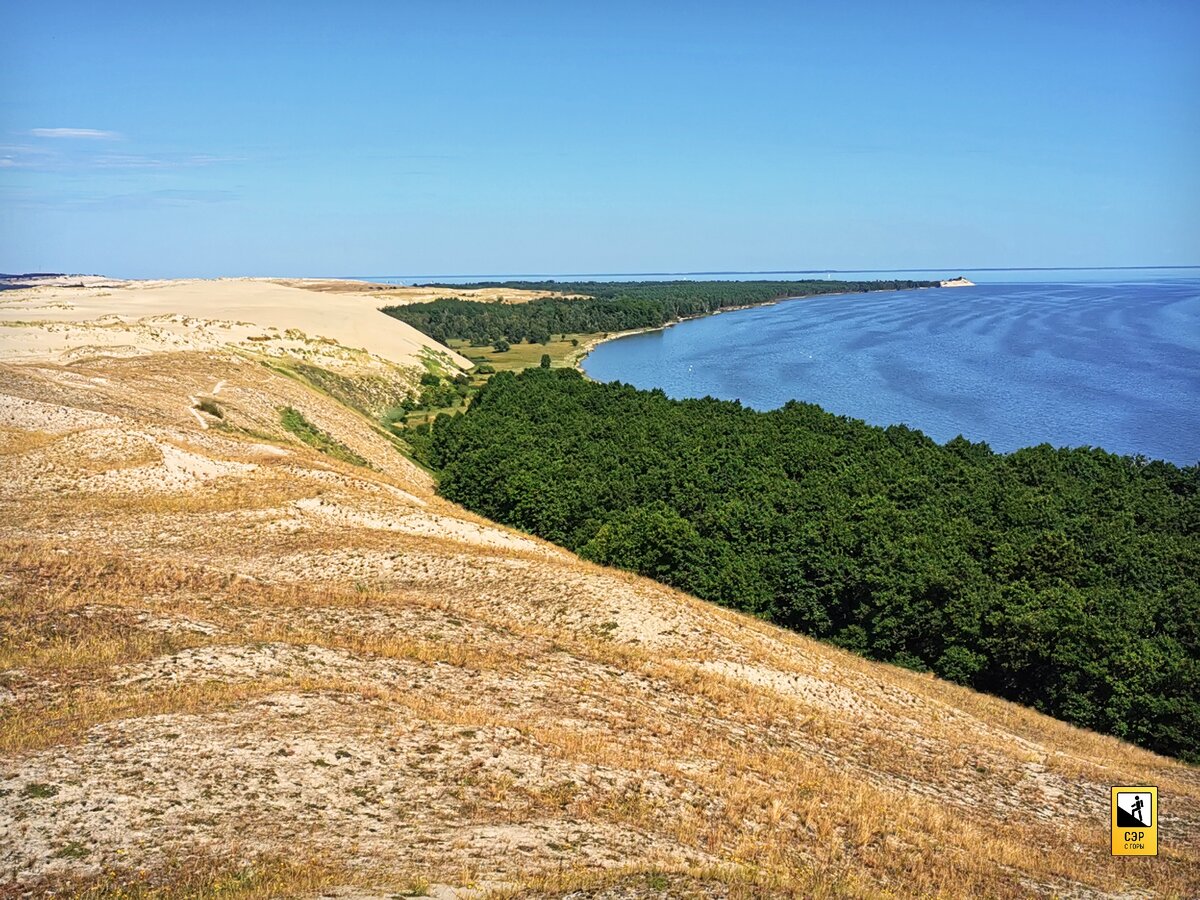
1114, 365
1133, 273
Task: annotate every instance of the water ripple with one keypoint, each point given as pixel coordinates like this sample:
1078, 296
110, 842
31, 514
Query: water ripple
1109, 365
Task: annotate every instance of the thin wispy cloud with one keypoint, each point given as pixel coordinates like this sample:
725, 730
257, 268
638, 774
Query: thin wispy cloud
159, 198
67, 156
26, 156
94, 201
87, 134
163, 161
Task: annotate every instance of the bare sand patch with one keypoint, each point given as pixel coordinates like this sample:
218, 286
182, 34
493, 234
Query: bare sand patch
421, 523
815, 691
153, 316
34, 415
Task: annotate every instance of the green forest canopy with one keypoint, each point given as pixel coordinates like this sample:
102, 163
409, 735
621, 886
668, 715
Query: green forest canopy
1063, 579
606, 306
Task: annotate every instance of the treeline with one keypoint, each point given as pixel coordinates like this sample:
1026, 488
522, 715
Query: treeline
1063, 579
605, 306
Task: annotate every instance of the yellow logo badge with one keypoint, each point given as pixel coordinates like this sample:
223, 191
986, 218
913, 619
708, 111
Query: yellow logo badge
1135, 821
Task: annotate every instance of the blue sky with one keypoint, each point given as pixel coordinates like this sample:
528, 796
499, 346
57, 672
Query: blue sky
256, 138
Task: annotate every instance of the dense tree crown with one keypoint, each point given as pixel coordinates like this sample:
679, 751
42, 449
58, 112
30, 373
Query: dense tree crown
1063, 579
605, 306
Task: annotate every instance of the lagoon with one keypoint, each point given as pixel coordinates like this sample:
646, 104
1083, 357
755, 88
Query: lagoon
1112, 364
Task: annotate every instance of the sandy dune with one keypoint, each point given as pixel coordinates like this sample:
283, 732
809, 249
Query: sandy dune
198, 314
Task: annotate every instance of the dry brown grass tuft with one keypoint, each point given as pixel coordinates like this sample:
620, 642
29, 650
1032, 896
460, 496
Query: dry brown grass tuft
197, 876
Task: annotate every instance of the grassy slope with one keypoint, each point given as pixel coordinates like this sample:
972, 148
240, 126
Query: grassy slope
525, 355
281, 673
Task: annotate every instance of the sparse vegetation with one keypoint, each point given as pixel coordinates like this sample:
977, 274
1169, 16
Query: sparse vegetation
72, 850
369, 393
563, 350
293, 420
199, 875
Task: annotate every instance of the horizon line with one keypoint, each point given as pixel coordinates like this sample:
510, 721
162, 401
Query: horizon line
652, 274
775, 272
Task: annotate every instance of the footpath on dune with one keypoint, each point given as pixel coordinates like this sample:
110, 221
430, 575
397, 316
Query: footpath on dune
238, 659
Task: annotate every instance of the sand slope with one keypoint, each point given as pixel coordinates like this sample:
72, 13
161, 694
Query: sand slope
197, 314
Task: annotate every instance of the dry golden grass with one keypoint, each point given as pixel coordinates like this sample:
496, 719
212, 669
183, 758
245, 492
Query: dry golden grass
200, 876
281, 698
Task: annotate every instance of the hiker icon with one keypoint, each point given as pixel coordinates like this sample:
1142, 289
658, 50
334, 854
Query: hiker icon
1134, 810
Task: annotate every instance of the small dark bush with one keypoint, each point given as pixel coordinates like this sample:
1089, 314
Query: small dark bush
210, 407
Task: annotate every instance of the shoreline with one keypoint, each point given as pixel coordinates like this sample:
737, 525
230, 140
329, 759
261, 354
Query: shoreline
586, 347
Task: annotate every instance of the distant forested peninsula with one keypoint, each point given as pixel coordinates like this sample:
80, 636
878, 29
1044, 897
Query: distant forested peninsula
1068, 580
605, 306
